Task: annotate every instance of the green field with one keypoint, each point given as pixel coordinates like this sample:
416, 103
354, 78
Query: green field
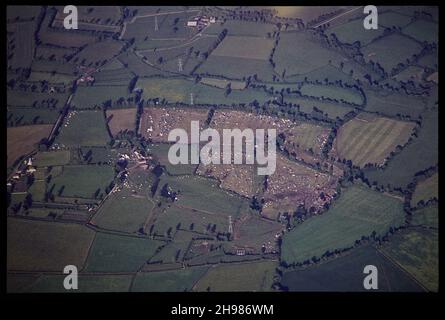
84, 128
46, 246
302, 58
426, 190
18, 116
113, 253
242, 28
354, 31
428, 216
254, 276
345, 274
94, 96
168, 281
368, 139
179, 90
332, 92
358, 212
416, 251
401, 49
423, 30
184, 217
391, 104
82, 181
204, 195
52, 158
124, 211
160, 151
86, 283
418, 155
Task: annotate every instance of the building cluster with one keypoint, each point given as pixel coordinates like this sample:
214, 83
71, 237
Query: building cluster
200, 22
18, 180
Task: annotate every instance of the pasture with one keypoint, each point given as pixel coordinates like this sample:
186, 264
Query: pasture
124, 211
428, 217
358, 212
416, 250
179, 90
426, 190
244, 48
201, 194
253, 276
423, 30
52, 158
87, 283
298, 54
188, 218
83, 128
90, 97
332, 92
353, 31
344, 274
392, 104
242, 28
168, 281
402, 48
82, 181
370, 139
418, 155
120, 120
18, 116
160, 152
113, 253
46, 246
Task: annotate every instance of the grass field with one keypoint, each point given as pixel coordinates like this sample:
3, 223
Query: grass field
332, 92
390, 19
393, 104
241, 28
255, 276
370, 139
354, 31
107, 48
184, 218
244, 47
330, 110
204, 195
419, 155
358, 212
302, 58
179, 90
82, 181
236, 68
160, 151
416, 251
18, 116
121, 119
426, 189
112, 253
345, 273
95, 96
24, 44
401, 49
46, 246
222, 83
52, 158
86, 283
124, 211
24, 139
83, 128
20, 98
168, 281
423, 30
428, 217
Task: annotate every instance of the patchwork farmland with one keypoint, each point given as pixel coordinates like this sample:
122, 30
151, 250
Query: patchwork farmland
90, 183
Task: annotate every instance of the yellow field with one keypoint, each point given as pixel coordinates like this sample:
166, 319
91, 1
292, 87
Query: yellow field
370, 139
121, 119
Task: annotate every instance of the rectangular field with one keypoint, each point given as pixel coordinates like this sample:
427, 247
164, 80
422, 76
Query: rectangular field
358, 212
